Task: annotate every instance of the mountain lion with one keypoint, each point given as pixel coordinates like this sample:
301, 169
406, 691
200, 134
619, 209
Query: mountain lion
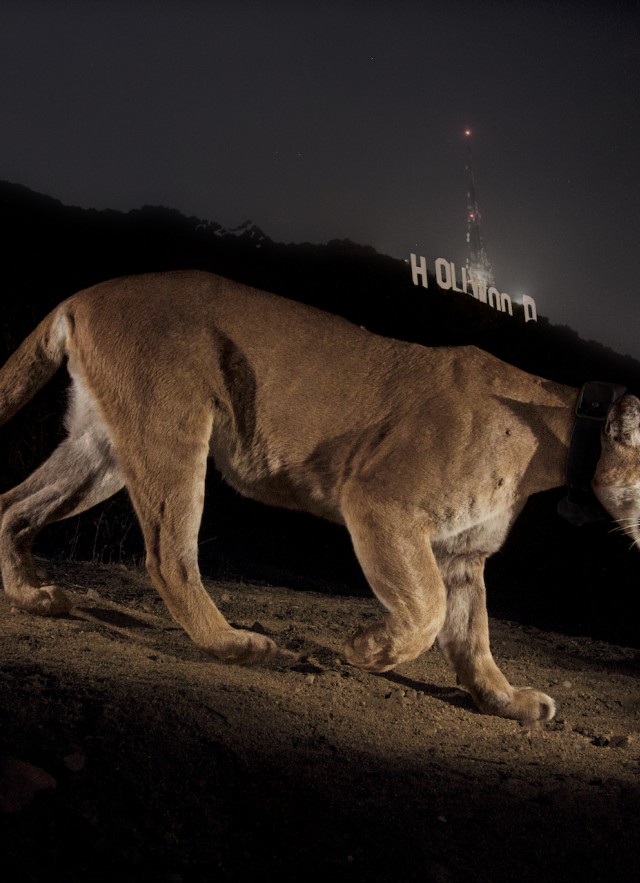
425, 455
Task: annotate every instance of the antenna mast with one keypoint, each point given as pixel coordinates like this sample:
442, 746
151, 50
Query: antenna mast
479, 269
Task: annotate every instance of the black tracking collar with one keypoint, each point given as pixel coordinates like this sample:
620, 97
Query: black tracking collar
594, 403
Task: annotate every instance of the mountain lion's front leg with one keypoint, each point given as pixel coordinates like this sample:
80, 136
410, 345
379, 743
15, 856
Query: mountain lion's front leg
165, 473
394, 552
465, 641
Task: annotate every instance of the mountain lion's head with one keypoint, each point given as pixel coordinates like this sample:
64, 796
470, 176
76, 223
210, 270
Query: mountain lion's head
617, 479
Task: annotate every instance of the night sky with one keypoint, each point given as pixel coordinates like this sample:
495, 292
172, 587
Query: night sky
345, 119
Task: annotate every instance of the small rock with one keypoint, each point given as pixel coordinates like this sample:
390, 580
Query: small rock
621, 741
225, 597
582, 731
19, 783
75, 761
567, 685
309, 679
93, 595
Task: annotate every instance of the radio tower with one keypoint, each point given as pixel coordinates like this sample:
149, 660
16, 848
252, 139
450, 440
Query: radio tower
478, 265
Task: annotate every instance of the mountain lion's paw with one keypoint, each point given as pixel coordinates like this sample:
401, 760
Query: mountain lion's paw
244, 647
524, 704
373, 649
45, 601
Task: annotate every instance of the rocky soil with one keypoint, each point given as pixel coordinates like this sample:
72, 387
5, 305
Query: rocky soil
129, 754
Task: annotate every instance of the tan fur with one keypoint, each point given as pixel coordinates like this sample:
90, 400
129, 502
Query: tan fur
425, 455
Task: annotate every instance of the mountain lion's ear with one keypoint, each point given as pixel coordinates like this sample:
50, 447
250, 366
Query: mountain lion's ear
623, 422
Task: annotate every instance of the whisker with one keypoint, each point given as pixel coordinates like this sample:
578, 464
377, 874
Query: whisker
630, 526
629, 520
624, 528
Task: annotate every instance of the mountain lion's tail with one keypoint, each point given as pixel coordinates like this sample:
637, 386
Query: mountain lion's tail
34, 362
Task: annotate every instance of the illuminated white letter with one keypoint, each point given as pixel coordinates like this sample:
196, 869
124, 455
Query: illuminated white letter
444, 281
479, 291
494, 298
454, 284
419, 271
505, 303
530, 312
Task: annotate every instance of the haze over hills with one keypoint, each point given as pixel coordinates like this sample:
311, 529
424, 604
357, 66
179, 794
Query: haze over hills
51, 250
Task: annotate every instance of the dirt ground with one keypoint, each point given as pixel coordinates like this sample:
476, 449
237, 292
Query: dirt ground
129, 754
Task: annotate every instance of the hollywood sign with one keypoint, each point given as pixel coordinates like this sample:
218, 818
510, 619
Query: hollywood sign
447, 279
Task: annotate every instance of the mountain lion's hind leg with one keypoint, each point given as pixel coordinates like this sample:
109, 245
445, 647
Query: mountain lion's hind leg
465, 641
395, 554
80, 473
